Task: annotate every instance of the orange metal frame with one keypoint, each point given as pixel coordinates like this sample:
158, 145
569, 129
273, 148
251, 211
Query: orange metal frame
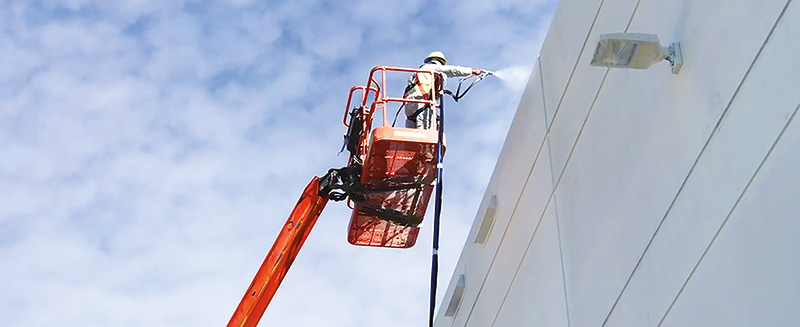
311, 203
380, 98
379, 95
390, 148
280, 257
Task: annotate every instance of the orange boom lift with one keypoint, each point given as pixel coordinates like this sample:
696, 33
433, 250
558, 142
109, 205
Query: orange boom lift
388, 182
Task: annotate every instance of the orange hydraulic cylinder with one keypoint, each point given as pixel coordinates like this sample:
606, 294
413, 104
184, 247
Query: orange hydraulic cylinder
280, 257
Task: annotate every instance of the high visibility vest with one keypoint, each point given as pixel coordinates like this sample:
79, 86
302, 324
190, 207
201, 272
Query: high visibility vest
421, 83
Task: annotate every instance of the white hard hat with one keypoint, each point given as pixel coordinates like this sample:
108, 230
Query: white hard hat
437, 55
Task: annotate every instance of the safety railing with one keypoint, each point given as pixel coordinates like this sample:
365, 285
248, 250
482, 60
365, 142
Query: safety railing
364, 91
378, 91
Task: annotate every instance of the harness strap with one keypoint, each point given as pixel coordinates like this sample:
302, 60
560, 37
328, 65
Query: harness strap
425, 95
417, 83
416, 113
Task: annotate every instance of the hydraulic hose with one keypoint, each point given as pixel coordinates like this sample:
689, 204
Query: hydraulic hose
437, 214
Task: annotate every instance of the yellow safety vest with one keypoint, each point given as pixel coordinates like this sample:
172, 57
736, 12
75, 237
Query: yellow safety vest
421, 83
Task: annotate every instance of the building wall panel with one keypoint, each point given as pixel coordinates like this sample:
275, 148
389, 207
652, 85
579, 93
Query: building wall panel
536, 297
749, 277
752, 124
565, 40
522, 228
580, 94
641, 139
620, 147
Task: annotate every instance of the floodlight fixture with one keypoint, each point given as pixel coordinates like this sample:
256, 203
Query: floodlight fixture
635, 50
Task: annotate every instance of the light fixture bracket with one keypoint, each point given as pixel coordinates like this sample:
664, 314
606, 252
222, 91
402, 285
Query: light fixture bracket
636, 51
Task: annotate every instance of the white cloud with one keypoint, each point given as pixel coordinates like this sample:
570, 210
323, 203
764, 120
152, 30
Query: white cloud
151, 151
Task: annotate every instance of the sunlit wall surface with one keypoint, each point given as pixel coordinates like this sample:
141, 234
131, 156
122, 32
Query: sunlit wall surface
640, 197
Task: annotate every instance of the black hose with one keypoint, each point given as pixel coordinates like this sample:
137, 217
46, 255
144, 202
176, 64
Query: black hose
458, 95
437, 213
397, 114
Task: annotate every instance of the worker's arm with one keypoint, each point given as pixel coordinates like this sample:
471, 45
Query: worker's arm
453, 71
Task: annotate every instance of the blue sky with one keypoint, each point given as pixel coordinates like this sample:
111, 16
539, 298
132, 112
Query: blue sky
152, 150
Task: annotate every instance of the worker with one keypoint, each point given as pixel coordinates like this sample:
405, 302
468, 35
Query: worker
420, 85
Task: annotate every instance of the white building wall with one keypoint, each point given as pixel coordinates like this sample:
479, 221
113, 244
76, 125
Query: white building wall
643, 198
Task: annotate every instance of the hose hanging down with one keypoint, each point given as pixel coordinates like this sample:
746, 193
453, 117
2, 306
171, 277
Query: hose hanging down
438, 204
437, 214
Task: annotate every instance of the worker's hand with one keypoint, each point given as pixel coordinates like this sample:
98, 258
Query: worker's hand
477, 72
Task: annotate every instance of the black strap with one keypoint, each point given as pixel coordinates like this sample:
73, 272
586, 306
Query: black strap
354, 131
395, 216
409, 87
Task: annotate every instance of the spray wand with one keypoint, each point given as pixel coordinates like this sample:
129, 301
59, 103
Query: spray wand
475, 79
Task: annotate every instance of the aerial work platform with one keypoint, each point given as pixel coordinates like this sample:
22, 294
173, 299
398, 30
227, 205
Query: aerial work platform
388, 182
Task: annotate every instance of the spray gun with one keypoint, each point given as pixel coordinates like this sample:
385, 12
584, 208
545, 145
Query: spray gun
475, 79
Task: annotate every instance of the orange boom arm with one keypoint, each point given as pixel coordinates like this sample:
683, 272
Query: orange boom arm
280, 257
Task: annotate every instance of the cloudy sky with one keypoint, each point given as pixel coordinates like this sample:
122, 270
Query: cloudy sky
151, 150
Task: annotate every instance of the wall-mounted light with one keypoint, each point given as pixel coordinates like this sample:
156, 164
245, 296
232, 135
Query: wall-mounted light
635, 50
